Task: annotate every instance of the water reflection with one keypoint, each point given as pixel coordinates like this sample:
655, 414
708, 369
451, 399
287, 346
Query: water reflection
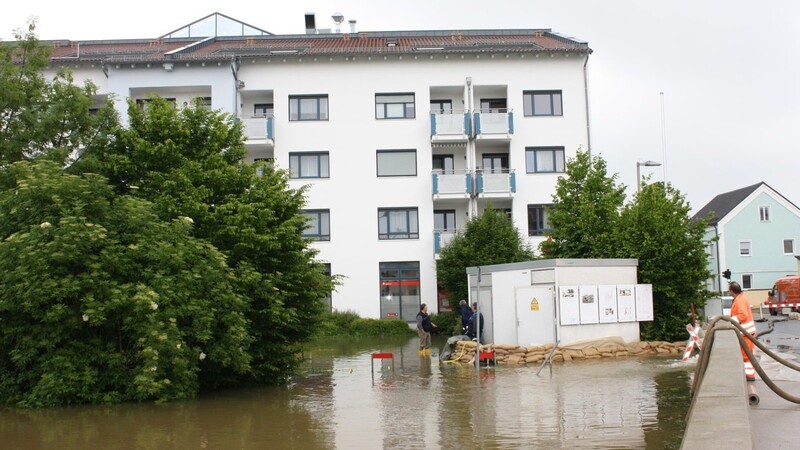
413, 403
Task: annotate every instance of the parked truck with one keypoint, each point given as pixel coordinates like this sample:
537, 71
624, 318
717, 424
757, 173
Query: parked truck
784, 294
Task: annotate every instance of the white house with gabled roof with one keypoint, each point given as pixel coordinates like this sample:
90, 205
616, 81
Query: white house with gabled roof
401, 136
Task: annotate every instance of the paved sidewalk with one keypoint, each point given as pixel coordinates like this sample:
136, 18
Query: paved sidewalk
775, 422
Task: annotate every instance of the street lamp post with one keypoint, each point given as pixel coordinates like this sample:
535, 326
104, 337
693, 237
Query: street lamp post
638, 174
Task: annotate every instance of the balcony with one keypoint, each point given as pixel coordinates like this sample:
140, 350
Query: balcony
452, 184
441, 238
259, 132
497, 126
450, 126
497, 184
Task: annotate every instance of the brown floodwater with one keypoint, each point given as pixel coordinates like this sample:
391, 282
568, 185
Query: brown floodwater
417, 403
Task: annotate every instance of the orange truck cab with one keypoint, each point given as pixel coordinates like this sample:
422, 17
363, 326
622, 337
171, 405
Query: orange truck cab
785, 294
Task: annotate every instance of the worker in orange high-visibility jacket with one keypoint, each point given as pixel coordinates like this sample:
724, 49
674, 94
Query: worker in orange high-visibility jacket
741, 312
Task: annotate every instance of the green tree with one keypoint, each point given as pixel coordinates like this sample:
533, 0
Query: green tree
657, 229
585, 210
45, 118
188, 162
102, 301
490, 238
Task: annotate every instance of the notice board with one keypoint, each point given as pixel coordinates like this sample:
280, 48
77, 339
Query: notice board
607, 303
588, 304
644, 302
626, 303
568, 306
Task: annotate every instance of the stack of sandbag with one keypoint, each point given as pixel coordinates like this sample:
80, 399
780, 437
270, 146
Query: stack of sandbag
515, 354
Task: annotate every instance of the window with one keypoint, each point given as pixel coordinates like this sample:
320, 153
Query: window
763, 213
443, 163
788, 246
399, 288
444, 220
394, 106
399, 223
263, 162
544, 159
328, 299
744, 248
263, 109
308, 165
495, 163
747, 281
144, 103
538, 220
397, 163
205, 102
319, 224
541, 103
308, 107
441, 106
493, 105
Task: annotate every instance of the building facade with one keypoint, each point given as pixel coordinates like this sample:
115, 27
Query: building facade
401, 137
757, 231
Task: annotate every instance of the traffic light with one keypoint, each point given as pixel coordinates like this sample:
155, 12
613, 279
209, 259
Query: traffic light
727, 274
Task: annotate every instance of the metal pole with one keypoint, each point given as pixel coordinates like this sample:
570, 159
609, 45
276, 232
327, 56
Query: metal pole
478, 322
638, 178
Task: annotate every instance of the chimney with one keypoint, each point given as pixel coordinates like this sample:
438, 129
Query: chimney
311, 24
352, 23
338, 18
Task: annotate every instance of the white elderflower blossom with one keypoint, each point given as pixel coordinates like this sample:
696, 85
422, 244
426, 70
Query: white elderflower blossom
153, 306
85, 318
187, 219
202, 356
45, 225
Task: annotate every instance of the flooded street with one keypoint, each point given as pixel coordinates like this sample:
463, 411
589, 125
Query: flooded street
636, 403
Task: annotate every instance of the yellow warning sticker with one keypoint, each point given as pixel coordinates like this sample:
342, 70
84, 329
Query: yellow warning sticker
534, 304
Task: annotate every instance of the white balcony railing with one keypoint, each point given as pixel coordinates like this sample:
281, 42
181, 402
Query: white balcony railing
450, 124
258, 127
455, 182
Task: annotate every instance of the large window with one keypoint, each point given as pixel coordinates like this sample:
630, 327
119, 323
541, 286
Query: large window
319, 224
400, 292
544, 159
744, 248
541, 103
444, 220
397, 163
443, 163
398, 223
538, 220
788, 246
308, 107
441, 106
263, 109
394, 106
309, 165
495, 162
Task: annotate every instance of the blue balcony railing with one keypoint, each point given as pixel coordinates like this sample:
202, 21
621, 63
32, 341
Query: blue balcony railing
494, 123
496, 182
259, 128
441, 238
454, 183
450, 125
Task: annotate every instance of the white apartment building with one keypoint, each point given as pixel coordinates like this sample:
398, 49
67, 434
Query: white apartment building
400, 136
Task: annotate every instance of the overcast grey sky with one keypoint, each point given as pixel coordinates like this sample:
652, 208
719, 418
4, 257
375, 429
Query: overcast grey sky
728, 69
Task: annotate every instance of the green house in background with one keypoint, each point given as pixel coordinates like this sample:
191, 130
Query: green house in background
758, 231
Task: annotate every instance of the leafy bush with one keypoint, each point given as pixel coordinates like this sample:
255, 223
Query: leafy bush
349, 323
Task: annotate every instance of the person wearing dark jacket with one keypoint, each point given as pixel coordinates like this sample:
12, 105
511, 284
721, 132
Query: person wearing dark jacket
475, 323
424, 327
466, 313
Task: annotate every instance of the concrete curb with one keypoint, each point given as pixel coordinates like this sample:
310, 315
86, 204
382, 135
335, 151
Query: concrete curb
719, 416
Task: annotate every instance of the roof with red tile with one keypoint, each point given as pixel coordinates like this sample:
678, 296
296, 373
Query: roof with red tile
344, 44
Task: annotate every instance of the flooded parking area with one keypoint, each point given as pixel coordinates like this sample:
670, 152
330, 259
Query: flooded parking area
409, 401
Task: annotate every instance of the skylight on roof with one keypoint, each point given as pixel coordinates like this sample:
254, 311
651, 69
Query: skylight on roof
215, 25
